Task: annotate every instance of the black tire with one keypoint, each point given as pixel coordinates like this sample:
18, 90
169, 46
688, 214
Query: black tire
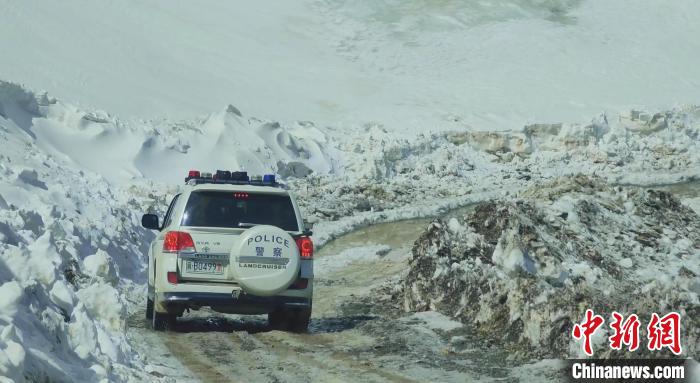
149, 308
299, 320
277, 319
294, 320
162, 321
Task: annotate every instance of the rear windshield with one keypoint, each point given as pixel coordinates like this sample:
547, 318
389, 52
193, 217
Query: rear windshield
224, 209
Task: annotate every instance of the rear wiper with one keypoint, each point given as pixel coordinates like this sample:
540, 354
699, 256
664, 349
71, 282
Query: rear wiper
247, 224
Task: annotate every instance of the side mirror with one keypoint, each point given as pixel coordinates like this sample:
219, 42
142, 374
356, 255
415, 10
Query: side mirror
308, 226
150, 221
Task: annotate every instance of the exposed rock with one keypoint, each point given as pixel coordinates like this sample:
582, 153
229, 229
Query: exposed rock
293, 169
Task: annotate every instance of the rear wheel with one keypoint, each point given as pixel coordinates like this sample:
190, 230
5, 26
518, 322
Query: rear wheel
277, 319
295, 320
149, 308
161, 321
300, 320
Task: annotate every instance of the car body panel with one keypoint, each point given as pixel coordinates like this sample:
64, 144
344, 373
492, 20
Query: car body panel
213, 243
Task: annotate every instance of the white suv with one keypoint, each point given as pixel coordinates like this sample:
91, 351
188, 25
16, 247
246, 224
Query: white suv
235, 245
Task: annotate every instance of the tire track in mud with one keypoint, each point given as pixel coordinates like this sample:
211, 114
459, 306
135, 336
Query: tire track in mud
193, 360
351, 367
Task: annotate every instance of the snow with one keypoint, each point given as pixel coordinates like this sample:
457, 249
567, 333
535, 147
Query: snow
327, 265
436, 321
412, 66
392, 110
70, 223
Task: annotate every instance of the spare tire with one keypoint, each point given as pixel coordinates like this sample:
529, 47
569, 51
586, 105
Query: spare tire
265, 261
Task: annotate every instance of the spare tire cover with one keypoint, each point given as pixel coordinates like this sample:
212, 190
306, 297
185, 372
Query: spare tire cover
265, 261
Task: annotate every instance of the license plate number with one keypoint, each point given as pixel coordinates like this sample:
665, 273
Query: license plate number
203, 267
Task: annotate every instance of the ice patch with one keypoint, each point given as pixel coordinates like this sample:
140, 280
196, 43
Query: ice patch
331, 263
436, 321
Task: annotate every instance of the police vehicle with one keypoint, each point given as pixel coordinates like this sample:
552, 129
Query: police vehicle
234, 243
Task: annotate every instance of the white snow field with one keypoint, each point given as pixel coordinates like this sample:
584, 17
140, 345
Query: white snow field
411, 65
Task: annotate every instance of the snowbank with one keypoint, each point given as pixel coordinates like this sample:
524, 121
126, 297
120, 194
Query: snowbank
382, 177
70, 249
160, 150
523, 271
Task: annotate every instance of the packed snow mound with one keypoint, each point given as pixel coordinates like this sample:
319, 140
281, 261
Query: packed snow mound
71, 248
163, 150
523, 271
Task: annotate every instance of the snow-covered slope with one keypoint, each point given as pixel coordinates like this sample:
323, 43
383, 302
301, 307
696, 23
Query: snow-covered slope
160, 150
70, 248
411, 65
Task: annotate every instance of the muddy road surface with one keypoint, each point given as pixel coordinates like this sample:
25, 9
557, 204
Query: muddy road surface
357, 332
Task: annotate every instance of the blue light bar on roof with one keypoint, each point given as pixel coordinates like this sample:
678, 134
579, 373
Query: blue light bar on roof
269, 179
233, 177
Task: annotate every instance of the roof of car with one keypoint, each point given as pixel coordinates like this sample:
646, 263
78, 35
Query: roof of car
244, 188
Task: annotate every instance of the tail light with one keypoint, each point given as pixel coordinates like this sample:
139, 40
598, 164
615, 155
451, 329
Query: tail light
306, 247
176, 241
172, 277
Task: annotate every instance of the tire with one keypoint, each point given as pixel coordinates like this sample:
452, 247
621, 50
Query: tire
299, 320
161, 321
277, 319
149, 308
294, 320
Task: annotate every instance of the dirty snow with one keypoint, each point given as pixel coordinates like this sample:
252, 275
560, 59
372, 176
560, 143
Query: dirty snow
526, 269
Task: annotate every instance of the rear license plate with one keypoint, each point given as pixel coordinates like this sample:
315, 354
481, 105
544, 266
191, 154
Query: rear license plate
203, 267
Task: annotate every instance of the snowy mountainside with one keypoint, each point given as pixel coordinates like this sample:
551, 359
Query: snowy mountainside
418, 66
384, 177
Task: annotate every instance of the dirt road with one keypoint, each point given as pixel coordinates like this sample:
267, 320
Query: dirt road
355, 333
